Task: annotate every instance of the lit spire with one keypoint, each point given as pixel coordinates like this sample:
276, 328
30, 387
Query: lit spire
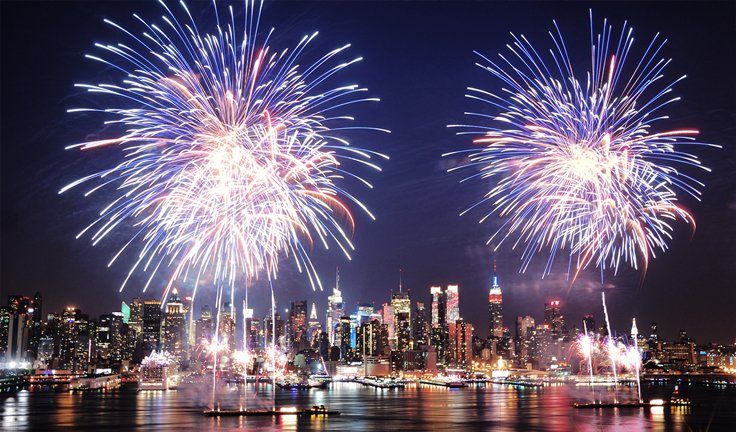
634, 330
494, 279
313, 313
337, 279
399, 279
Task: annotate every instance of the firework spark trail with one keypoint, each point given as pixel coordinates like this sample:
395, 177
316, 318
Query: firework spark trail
233, 152
580, 164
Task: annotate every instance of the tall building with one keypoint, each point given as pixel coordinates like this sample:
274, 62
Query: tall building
461, 343
77, 334
252, 329
315, 328
17, 340
525, 331
5, 312
401, 304
226, 334
453, 303
34, 334
387, 312
151, 328
173, 334
136, 316
370, 339
495, 307
438, 335
554, 319
437, 299
298, 324
335, 310
421, 326
274, 330
203, 327
345, 342
589, 324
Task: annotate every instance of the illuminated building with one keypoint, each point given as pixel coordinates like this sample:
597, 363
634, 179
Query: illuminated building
421, 326
542, 345
461, 345
173, 334
17, 339
203, 327
370, 340
315, 328
439, 332
387, 312
453, 303
554, 320
401, 304
136, 317
5, 312
103, 339
273, 329
525, 333
251, 330
437, 299
298, 324
335, 310
495, 307
345, 338
226, 335
76, 341
34, 334
151, 329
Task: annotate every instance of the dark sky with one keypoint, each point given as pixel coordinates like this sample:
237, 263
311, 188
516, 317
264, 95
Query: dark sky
418, 60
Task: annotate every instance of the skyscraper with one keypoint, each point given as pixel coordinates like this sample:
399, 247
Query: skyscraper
298, 324
335, 310
524, 339
387, 312
151, 328
401, 304
421, 326
461, 345
136, 316
495, 307
438, 301
203, 327
315, 328
453, 303
227, 326
554, 320
174, 326
439, 332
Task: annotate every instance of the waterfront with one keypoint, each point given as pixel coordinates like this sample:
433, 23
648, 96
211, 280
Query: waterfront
414, 408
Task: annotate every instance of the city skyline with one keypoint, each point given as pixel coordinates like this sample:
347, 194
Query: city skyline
415, 230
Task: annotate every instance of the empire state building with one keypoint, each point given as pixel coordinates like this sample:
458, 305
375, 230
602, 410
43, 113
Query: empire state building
495, 307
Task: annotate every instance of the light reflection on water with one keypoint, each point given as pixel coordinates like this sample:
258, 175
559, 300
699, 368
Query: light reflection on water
415, 408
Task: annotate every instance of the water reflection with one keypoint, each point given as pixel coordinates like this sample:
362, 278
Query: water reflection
416, 407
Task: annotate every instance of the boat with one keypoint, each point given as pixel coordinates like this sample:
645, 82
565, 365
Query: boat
651, 403
382, 383
301, 385
445, 383
316, 410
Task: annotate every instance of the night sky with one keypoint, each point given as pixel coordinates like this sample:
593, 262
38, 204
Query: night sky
418, 58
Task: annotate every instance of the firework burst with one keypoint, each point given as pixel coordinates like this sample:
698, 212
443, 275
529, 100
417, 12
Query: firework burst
233, 152
579, 162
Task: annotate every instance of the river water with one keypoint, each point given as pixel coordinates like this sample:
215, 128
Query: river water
415, 408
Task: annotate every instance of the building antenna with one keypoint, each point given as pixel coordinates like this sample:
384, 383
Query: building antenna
337, 278
399, 279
